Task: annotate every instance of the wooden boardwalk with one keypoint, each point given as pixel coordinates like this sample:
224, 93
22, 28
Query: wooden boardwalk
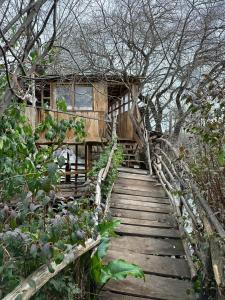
148, 236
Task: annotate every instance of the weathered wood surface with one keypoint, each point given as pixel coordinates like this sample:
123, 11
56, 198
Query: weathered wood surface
42, 275
138, 192
142, 215
148, 237
130, 205
145, 223
153, 264
114, 296
150, 245
156, 287
140, 177
140, 187
147, 231
140, 198
130, 202
128, 181
133, 171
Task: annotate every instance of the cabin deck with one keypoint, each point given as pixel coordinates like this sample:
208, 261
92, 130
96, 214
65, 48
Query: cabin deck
148, 237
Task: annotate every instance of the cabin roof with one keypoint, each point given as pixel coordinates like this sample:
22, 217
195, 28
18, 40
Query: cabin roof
111, 78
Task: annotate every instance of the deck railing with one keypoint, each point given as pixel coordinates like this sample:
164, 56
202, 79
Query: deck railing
202, 233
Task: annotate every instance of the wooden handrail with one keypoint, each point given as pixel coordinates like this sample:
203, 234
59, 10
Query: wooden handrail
41, 276
175, 175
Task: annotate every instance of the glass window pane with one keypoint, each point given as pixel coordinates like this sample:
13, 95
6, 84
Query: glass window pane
63, 91
83, 97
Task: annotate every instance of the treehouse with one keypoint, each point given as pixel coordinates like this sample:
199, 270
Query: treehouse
95, 99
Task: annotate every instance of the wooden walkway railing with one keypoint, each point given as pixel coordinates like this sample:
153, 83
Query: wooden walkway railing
203, 235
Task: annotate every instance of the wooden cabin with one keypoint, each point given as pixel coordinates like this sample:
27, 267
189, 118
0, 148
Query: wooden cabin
95, 98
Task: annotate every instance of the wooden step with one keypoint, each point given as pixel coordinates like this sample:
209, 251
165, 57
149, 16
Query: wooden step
133, 171
152, 193
105, 295
142, 215
115, 202
152, 264
140, 198
135, 182
145, 223
166, 209
135, 230
133, 161
154, 246
138, 177
139, 186
153, 286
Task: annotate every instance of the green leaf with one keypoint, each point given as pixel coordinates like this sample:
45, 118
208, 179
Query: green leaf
50, 268
119, 269
221, 157
61, 105
52, 169
107, 228
96, 268
103, 248
1, 143
59, 258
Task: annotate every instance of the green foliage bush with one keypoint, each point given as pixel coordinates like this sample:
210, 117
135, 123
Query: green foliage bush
34, 229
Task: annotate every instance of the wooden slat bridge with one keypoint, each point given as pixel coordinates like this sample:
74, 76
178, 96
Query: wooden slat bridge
148, 237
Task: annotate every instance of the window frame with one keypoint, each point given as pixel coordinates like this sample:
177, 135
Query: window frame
72, 86
92, 96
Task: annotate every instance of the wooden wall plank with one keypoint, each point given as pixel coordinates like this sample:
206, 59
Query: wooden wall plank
100, 96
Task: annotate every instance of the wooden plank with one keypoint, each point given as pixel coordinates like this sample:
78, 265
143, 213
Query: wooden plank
142, 215
133, 171
128, 202
154, 286
142, 245
135, 230
163, 209
154, 194
105, 295
127, 181
136, 186
140, 198
100, 96
136, 177
152, 264
144, 223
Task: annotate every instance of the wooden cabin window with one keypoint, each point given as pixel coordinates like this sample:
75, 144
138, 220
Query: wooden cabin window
63, 91
77, 97
83, 97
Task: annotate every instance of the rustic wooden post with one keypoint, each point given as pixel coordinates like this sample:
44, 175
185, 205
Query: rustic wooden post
148, 153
